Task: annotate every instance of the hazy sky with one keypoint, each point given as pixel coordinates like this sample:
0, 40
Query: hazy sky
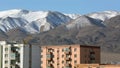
65, 6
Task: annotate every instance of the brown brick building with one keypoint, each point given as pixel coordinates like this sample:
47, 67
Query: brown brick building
67, 56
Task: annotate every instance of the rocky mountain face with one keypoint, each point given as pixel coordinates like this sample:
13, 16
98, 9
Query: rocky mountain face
108, 36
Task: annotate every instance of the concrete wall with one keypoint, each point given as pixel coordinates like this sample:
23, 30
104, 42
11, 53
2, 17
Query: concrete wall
25, 56
35, 56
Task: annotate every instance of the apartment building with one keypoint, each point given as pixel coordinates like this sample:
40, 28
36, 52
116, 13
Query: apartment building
67, 56
97, 66
0, 56
16, 55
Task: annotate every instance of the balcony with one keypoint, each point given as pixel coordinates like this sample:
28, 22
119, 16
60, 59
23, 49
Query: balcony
67, 58
12, 56
48, 53
67, 50
49, 56
14, 49
68, 66
50, 66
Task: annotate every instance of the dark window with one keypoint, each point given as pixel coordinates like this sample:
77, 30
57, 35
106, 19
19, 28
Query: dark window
41, 62
6, 49
41, 56
62, 55
75, 49
6, 55
62, 61
62, 50
75, 55
41, 50
52, 50
57, 50
6, 62
75, 61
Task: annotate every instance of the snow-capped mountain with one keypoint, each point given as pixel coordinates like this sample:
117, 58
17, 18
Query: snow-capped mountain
83, 21
73, 16
39, 21
103, 15
31, 21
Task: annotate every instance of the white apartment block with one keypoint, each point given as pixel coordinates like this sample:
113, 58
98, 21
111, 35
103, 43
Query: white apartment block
14, 55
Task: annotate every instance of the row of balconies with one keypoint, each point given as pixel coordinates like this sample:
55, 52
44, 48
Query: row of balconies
49, 57
15, 49
67, 65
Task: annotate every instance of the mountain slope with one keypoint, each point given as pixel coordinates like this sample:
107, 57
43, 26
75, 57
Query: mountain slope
84, 21
31, 21
107, 37
103, 15
39, 21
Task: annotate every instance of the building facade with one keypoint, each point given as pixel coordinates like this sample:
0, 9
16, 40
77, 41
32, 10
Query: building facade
16, 55
1, 56
67, 56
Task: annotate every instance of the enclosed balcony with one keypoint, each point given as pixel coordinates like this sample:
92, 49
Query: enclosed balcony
12, 56
67, 58
49, 56
15, 56
14, 49
67, 50
50, 66
68, 66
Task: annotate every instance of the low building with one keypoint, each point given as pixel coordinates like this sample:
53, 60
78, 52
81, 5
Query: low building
97, 66
67, 56
16, 55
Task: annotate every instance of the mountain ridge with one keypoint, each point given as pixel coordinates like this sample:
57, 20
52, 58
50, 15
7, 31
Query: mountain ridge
39, 21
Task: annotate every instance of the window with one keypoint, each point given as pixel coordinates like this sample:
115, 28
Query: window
75, 61
41, 56
41, 62
57, 50
62, 55
6, 62
62, 50
6, 49
75, 49
52, 50
6, 55
75, 55
49, 50
41, 50
62, 61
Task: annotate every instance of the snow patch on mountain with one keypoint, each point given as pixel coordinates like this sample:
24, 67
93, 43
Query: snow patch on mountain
103, 15
73, 16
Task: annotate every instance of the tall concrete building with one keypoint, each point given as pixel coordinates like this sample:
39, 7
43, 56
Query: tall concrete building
67, 56
16, 55
1, 56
